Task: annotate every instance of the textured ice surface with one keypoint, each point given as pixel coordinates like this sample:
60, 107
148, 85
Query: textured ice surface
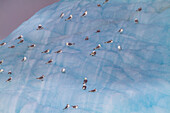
134, 80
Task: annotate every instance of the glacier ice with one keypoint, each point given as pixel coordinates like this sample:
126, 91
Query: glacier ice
133, 80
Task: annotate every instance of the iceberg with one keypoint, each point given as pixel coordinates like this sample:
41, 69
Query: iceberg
131, 74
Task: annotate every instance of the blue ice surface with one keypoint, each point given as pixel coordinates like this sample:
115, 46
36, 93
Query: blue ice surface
133, 80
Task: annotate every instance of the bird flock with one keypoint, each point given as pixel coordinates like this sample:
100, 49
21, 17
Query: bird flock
63, 70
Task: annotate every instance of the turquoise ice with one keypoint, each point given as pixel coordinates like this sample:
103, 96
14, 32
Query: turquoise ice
133, 80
